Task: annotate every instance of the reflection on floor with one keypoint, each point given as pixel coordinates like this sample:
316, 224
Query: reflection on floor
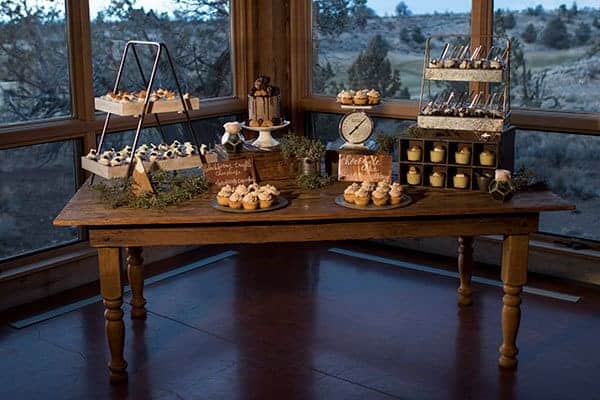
300, 322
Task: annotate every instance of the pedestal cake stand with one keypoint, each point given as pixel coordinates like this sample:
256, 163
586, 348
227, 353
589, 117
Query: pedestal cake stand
265, 139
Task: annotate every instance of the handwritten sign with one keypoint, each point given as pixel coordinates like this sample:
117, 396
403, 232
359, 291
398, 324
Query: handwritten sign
365, 168
232, 172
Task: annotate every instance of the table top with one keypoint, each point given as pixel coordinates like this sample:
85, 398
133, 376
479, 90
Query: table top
86, 209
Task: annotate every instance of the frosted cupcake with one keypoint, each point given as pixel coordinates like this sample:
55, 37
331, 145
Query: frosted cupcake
235, 201
242, 190
463, 156
250, 201
253, 187
346, 97
361, 197
223, 196
265, 199
437, 154
395, 194
383, 185
380, 197
349, 193
436, 179
487, 158
373, 97
414, 153
368, 186
461, 181
361, 98
413, 177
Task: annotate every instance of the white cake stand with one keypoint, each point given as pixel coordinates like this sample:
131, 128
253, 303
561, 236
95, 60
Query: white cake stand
265, 139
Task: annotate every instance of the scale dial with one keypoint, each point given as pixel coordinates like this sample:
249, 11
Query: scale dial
356, 127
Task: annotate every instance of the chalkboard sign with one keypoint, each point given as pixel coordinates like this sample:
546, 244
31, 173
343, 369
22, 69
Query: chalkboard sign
231, 172
365, 168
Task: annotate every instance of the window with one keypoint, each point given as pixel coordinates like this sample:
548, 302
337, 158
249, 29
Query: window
569, 165
36, 183
34, 78
556, 53
379, 43
196, 32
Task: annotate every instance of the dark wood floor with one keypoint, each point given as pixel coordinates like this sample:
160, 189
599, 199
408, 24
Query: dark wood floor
298, 322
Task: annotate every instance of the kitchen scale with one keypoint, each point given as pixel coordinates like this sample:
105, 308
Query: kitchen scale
356, 127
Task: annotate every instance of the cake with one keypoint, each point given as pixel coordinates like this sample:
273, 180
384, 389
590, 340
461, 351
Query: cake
463, 156
461, 181
413, 177
414, 153
436, 179
486, 157
264, 104
437, 154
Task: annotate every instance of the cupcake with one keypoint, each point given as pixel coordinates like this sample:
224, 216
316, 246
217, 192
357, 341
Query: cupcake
223, 196
361, 98
463, 156
395, 194
368, 186
437, 154
270, 189
265, 199
380, 197
349, 193
487, 158
414, 153
413, 176
383, 185
361, 197
436, 179
105, 159
250, 201
346, 97
253, 187
373, 97
242, 190
461, 181
235, 201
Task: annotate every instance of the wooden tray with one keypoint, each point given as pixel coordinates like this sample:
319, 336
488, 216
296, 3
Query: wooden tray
120, 171
135, 108
405, 200
464, 75
281, 202
461, 124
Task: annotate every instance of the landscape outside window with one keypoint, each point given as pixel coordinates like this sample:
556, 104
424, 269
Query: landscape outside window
36, 182
196, 32
555, 61
379, 43
34, 73
569, 165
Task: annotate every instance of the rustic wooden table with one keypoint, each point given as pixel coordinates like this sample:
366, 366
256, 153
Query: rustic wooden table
311, 216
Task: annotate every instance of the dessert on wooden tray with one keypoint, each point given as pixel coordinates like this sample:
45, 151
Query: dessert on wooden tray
145, 152
364, 97
264, 104
248, 198
379, 194
132, 103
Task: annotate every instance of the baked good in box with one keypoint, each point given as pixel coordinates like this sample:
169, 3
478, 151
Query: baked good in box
463, 155
414, 153
437, 154
436, 179
264, 104
487, 158
413, 176
461, 181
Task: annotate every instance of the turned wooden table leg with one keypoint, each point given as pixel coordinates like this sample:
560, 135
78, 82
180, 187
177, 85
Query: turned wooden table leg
135, 274
465, 270
111, 290
514, 275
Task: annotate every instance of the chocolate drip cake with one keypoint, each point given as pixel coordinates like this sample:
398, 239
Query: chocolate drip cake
264, 104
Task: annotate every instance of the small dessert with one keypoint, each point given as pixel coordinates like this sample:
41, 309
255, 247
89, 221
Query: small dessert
169, 154
395, 194
361, 197
465, 64
116, 161
265, 199
361, 98
414, 153
487, 158
223, 196
436, 179
346, 97
264, 103
105, 159
242, 190
380, 197
92, 155
270, 189
413, 176
495, 64
253, 187
250, 201
437, 154
368, 186
450, 63
235, 201
374, 97
383, 185
349, 193
461, 181
463, 156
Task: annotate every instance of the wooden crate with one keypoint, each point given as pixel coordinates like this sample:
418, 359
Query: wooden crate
269, 165
120, 171
135, 108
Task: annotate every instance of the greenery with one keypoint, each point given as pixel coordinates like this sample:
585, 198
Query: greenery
386, 143
583, 33
171, 189
555, 34
302, 147
314, 181
529, 35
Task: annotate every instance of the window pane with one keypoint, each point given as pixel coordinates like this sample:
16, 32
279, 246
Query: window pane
380, 44
196, 32
36, 183
569, 164
556, 53
34, 78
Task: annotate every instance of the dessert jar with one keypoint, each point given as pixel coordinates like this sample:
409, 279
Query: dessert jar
460, 181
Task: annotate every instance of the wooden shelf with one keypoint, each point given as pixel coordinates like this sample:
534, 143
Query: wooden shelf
134, 108
120, 171
464, 75
461, 124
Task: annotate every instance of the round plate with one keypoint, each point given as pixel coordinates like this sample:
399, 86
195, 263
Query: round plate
265, 128
281, 202
404, 201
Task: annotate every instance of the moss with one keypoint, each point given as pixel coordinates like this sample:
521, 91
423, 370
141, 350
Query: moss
309, 182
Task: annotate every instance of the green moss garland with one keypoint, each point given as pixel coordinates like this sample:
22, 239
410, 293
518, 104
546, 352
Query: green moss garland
310, 182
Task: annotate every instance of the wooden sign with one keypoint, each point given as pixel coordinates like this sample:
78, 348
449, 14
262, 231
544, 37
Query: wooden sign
231, 172
141, 183
365, 168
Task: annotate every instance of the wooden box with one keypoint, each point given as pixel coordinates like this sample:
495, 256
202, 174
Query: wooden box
120, 171
269, 165
135, 108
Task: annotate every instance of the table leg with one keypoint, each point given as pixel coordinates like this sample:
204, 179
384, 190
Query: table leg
514, 275
111, 290
135, 274
465, 270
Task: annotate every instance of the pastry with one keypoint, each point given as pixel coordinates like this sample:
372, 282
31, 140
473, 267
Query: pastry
463, 156
368, 186
270, 189
487, 158
347, 97
414, 153
250, 201
436, 179
92, 155
361, 98
395, 194
253, 187
361, 197
380, 197
265, 199
349, 193
154, 156
223, 196
264, 104
461, 181
383, 185
235, 201
374, 97
105, 159
116, 161
437, 154
242, 190
413, 177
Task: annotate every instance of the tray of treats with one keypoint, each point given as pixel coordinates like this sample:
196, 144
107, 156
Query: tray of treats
132, 103
115, 164
249, 199
373, 196
360, 99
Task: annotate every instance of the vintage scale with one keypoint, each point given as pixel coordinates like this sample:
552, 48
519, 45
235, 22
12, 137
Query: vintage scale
356, 127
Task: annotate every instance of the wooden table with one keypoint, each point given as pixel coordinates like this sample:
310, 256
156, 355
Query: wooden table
311, 216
